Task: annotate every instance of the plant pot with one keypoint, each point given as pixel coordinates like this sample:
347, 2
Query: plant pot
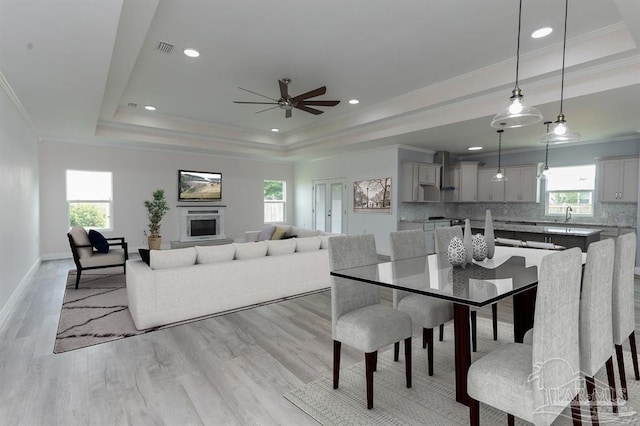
155, 241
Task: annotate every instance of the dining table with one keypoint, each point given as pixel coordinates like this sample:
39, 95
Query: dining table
511, 272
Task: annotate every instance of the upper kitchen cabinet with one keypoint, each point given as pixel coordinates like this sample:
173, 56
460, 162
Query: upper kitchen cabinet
523, 184
618, 180
487, 189
419, 182
464, 179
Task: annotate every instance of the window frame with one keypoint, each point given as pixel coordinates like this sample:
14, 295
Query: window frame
108, 202
282, 202
575, 207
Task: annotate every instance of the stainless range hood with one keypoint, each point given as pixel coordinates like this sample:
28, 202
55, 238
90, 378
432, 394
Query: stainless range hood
443, 159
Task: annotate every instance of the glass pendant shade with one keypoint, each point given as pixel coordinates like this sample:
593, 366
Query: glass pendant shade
499, 176
560, 132
517, 114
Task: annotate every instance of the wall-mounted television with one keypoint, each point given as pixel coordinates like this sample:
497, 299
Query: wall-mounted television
199, 186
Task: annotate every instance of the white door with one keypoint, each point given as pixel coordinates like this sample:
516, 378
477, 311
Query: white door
329, 205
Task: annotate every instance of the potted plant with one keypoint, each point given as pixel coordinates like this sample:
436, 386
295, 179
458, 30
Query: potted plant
156, 209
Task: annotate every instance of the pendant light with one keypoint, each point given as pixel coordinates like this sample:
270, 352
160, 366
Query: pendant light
545, 171
560, 133
499, 176
517, 114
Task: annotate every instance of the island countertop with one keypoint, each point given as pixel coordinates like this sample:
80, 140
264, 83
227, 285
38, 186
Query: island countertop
559, 229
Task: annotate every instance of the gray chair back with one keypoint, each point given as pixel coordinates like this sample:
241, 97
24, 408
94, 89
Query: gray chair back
444, 235
405, 245
347, 251
624, 321
596, 341
556, 358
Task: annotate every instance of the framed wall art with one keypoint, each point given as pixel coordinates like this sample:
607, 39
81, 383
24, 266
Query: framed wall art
372, 196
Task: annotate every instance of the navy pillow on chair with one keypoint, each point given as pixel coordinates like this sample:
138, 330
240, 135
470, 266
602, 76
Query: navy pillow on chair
98, 241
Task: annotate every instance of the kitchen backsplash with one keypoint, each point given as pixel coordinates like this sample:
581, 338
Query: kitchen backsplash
612, 214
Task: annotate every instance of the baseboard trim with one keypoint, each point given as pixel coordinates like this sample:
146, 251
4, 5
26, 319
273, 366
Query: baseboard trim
8, 308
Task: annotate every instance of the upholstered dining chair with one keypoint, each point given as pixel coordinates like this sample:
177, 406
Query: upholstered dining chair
624, 320
86, 258
443, 236
428, 312
536, 382
357, 317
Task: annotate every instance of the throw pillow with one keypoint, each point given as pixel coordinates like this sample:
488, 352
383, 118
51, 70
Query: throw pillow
164, 259
308, 244
144, 255
98, 241
277, 247
215, 254
304, 232
250, 250
279, 233
266, 233
81, 238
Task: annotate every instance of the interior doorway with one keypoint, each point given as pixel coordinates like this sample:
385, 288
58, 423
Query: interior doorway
329, 205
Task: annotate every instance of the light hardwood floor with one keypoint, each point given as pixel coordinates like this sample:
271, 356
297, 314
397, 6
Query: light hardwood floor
232, 369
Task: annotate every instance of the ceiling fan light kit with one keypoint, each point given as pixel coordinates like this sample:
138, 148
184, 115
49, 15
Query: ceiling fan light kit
517, 114
302, 102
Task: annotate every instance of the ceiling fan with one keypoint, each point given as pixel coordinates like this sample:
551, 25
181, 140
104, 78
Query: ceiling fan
287, 103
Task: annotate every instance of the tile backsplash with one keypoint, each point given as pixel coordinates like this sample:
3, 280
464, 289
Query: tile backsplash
611, 214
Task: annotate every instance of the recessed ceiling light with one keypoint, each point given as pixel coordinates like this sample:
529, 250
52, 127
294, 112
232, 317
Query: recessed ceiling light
150, 108
354, 101
474, 148
275, 130
541, 32
192, 53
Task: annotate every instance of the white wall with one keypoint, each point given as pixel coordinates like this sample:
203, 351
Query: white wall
352, 167
136, 174
19, 221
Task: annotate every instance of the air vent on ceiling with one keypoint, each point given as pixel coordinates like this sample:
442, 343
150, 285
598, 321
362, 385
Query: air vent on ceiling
165, 47
132, 105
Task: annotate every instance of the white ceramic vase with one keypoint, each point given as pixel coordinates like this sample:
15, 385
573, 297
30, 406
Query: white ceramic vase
456, 254
488, 235
479, 248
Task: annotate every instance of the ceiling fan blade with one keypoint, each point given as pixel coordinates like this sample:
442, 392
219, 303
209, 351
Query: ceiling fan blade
309, 110
319, 103
284, 89
258, 112
287, 113
256, 103
256, 93
312, 94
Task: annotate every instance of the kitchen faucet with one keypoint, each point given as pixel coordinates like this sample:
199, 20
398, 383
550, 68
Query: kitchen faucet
567, 214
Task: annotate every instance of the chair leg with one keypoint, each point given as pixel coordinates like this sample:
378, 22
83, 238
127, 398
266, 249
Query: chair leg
474, 331
79, 271
474, 412
593, 403
634, 354
510, 420
441, 332
407, 360
369, 361
621, 372
575, 410
396, 351
429, 332
425, 338
336, 363
612, 385
494, 312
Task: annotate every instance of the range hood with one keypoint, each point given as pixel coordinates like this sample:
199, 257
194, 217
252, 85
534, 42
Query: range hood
443, 159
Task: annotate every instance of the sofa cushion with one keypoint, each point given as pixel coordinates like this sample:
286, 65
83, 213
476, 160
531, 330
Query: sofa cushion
280, 232
98, 241
164, 259
276, 247
308, 244
250, 250
267, 232
214, 254
81, 238
304, 232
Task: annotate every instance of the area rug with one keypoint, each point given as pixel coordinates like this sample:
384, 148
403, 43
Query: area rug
97, 312
430, 400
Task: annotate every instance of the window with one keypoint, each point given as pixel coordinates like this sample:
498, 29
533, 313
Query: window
570, 187
274, 201
89, 199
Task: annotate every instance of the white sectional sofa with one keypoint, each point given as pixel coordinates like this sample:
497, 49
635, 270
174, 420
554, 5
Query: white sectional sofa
191, 282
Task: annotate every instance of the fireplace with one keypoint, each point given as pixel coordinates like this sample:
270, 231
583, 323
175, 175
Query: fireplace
201, 223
